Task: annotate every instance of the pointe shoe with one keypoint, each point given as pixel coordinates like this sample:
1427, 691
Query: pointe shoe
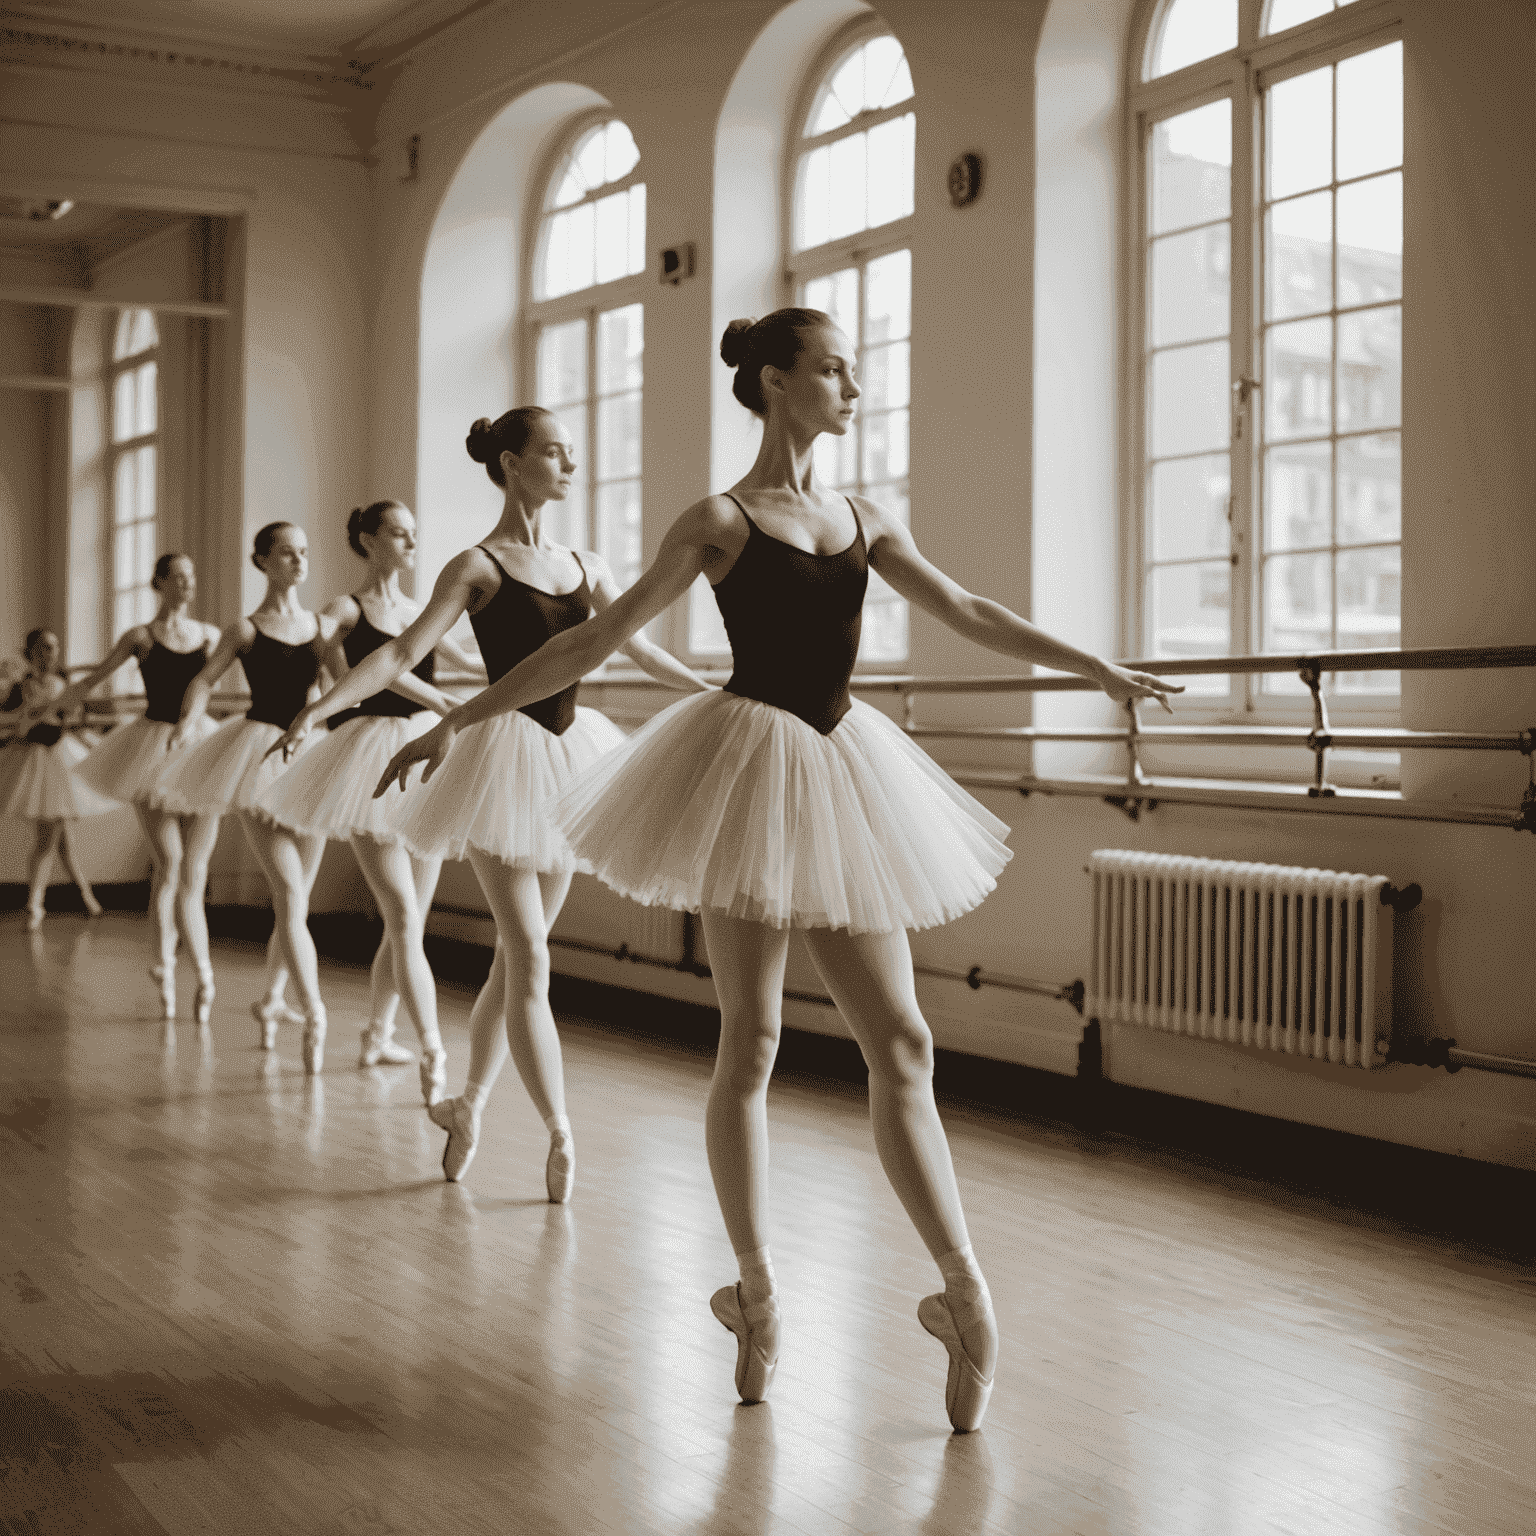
463, 1127
93, 908
560, 1167
756, 1327
164, 977
267, 1018
380, 1049
314, 1045
433, 1068
203, 1003
966, 1390
34, 916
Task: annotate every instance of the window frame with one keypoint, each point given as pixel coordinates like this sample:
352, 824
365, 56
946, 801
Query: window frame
1241, 75
862, 247
584, 304
116, 367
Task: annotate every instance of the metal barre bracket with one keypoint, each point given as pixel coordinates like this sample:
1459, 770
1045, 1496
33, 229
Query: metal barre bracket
1404, 900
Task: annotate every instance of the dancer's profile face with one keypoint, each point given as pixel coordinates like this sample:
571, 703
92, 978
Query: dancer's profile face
819, 392
179, 584
286, 564
44, 654
394, 544
546, 466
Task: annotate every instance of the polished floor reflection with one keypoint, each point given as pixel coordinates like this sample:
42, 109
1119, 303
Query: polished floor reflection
235, 1301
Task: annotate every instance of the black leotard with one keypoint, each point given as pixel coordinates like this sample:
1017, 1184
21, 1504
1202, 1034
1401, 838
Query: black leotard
280, 676
44, 733
166, 675
794, 620
516, 622
364, 640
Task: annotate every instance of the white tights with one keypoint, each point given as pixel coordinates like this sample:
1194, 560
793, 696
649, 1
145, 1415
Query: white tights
290, 861
402, 887
179, 850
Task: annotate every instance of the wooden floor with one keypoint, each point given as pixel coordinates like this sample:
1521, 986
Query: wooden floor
233, 1301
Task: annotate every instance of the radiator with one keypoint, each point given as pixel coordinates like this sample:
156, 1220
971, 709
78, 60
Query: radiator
1285, 959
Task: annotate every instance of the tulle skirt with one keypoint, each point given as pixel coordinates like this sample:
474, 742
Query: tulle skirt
492, 790
329, 793
228, 772
727, 803
38, 783
129, 762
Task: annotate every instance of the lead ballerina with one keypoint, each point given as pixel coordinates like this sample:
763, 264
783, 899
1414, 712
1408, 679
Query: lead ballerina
780, 803
518, 587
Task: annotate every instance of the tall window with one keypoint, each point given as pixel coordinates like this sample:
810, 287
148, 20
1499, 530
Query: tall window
1271, 300
134, 383
850, 255
587, 333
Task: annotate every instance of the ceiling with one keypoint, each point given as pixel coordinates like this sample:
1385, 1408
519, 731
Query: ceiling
88, 233
327, 27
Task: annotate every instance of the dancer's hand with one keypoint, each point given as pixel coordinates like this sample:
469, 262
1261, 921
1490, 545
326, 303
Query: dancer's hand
1123, 686
288, 743
180, 737
430, 748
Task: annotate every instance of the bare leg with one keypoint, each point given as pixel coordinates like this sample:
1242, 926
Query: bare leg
92, 906
198, 835
162, 830
39, 867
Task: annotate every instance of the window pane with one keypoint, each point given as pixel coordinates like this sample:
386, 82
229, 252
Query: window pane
621, 153
145, 489
122, 493
1291, 13
885, 446
1371, 240
1370, 488
1370, 368
1193, 30
590, 157
123, 615
147, 605
144, 553
837, 294
1191, 285
122, 408
562, 363
1370, 599
884, 636
1187, 507
637, 229
886, 79
122, 558
618, 436
837, 459
1298, 497
1371, 111
1297, 379
815, 195
144, 389
618, 529
1191, 615
887, 298
1189, 387
1298, 606
1191, 167
620, 348
891, 150
612, 237
1299, 260
1300, 129
886, 377
848, 182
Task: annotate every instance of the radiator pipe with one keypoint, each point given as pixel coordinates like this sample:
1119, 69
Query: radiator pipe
1446, 1053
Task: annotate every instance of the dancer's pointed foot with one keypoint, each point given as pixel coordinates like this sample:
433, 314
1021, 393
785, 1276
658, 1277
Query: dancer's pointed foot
164, 977
381, 1049
756, 1326
93, 908
269, 1014
203, 1003
560, 1167
433, 1069
463, 1127
966, 1390
314, 1044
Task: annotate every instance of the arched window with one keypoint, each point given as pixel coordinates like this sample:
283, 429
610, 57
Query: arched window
1270, 295
586, 332
850, 244
134, 382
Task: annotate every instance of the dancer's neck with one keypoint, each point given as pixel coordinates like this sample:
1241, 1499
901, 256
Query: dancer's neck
785, 463
522, 521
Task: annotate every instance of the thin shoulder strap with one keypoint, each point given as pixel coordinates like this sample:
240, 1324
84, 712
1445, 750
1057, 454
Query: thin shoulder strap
858, 522
500, 568
730, 498
581, 565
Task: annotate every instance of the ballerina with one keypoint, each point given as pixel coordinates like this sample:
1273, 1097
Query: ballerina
170, 651
518, 587
36, 779
781, 803
281, 656
329, 792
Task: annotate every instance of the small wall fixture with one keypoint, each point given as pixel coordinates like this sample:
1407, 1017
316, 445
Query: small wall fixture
965, 180
410, 154
677, 263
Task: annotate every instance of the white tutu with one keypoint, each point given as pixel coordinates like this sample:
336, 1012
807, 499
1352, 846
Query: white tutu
492, 790
38, 783
129, 762
228, 772
727, 803
330, 792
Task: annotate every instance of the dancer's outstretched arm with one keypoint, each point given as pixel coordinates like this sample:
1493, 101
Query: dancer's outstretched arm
407, 685
233, 643
650, 658
129, 643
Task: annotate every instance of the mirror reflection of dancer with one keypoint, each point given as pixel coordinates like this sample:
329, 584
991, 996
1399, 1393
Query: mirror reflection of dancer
170, 651
37, 782
781, 803
281, 647
329, 792
519, 587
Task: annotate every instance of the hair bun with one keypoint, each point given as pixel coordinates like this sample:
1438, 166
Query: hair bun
479, 441
733, 345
